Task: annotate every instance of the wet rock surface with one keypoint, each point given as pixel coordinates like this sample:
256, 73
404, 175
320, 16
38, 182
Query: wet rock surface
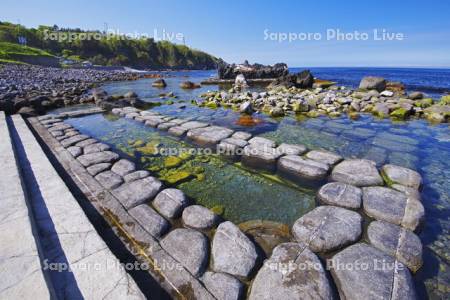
340, 194
275, 280
199, 217
328, 228
189, 247
223, 286
97, 158
232, 251
398, 242
403, 176
134, 193
300, 168
170, 202
150, 220
392, 206
374, 281
357, 172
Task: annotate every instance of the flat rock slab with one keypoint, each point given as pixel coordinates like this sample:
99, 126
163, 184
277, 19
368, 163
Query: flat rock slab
189, 247
136, 175
97, 158
328, 228
209, 136
223, 286
97, 168
199, 217
400, 175
299, 168
150, 220
177, 131
75, 151
232, 251
109, 180
193, 125
305, 279
340, 194
258, 156
85, 143
73, 140
123, 167
154, 121
235, 141
241, 135
379, 279
358, 172
398, 242
323, 156
170, 202
97, 147
262, 142
392, 206
291, 149
134, 193
165, 126
58, 127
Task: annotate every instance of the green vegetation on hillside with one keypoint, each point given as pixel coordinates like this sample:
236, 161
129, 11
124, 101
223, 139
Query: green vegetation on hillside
107, 49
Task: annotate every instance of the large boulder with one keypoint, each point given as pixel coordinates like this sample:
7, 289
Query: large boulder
373, 83
302, 80
358, 172
340, 194
189, 247
364, 272
134, 193
230, 71
392, 206
400, 175
328, 228
233, 252
396, 241
223, 286
292, 272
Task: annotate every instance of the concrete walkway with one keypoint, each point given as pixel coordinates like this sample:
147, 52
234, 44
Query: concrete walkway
66, 238
20, 267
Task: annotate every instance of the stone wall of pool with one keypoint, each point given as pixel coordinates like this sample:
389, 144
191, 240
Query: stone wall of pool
331, 253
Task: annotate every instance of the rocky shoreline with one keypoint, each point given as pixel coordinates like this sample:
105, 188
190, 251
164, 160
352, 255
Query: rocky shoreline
227, 262
32, 90
303, 95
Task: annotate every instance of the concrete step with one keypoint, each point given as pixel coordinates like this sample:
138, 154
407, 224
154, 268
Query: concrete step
70, 241
20, 266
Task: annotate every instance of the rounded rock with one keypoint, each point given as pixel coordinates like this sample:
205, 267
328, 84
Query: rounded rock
340, 194
328, 228
199, 217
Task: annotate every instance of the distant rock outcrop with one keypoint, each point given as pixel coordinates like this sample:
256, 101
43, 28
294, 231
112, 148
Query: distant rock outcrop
301, 80
230, 71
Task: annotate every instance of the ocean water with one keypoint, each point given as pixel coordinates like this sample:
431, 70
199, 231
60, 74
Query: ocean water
433, 82
415, 144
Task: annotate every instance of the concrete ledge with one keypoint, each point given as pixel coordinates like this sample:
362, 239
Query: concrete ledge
80, 242
20, 268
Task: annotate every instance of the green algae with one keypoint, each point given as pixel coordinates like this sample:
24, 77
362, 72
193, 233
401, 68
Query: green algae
172, 161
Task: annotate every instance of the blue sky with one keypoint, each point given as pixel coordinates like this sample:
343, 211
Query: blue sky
235, 30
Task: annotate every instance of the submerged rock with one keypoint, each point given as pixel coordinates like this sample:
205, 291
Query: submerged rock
292, 272
299, 168
328, 228
161, 83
